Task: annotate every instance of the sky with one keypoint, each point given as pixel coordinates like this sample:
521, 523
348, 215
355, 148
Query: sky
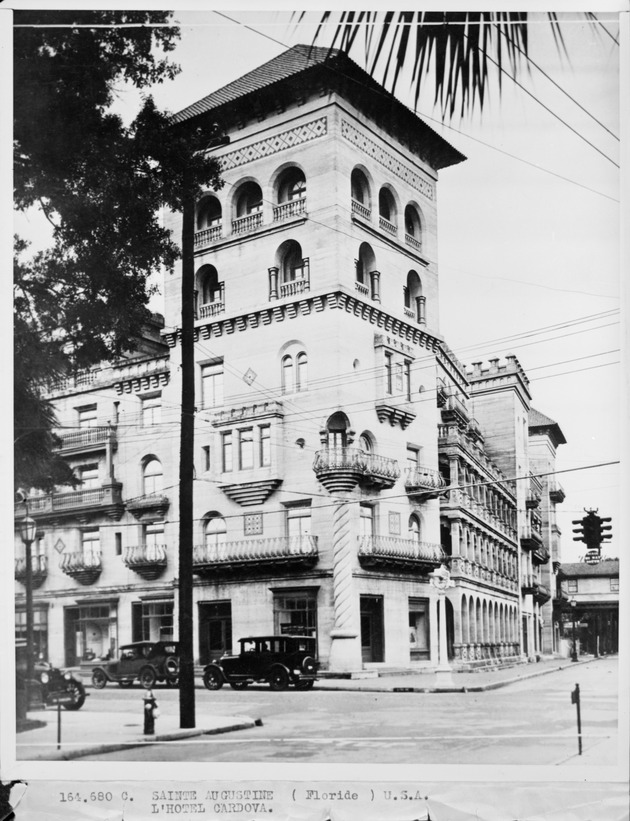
528, 226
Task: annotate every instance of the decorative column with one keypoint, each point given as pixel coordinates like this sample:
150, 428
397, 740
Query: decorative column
273, 283
345, 650
375, 279
441, 581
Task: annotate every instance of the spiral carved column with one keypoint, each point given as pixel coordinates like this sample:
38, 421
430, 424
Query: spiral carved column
345, 651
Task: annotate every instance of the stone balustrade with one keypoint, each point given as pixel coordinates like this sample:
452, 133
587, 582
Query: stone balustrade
84, 438
278, 550
147, 560
461, 566
361, 210
383, 550
39, 570
426, 481
243, 225
343, 468
288, 210
207, 236
84, 566
387, 226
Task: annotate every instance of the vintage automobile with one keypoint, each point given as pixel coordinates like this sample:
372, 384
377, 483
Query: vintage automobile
50, 685
277, 660
147, 661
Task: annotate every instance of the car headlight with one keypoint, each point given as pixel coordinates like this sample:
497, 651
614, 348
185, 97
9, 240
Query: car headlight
45, 678
67, 676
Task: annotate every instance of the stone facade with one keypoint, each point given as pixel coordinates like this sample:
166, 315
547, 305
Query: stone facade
338, 461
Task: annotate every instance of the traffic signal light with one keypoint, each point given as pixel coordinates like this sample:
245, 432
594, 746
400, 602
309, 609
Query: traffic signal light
591, 530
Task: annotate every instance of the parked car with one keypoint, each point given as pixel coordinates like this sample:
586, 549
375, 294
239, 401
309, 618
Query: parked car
49, 685
277, 660
147, 661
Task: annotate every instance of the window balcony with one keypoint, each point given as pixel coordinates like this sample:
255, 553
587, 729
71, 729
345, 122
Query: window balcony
343, 468
454, 411
541, 593
528, 585
362, 288
295, 286
207, 236
211, 309
387, 226
79, 504
393, 552
39, 570
244, 225
151, 506
540, 554
84, 566
361, 210
88, 440
289, 210
256, 555
412, 242
424, 483
147, 560
556, 492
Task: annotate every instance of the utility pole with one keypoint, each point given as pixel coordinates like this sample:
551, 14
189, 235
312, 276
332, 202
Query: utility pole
186, 462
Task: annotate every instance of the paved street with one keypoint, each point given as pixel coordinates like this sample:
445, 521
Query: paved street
528, 722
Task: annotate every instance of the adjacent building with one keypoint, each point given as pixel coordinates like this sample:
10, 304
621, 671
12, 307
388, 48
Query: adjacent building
342, 452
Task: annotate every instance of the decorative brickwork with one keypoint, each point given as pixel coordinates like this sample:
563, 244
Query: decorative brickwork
278, 142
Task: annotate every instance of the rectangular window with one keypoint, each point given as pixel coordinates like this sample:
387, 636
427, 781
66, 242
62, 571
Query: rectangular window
151, 410
154, 534
413, 456
407, 380
40, 628
212, 385
398, 378
572, 585
91, 546
226, 451
419, 647
118, 542
246, 448
265, 445
89, 477
366, 523
614, 585
87, 416
394, 523
298, 521
206, 457
388, 373
295, 612
152, 621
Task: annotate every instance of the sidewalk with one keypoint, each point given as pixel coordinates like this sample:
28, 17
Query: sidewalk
427, 682
77, 740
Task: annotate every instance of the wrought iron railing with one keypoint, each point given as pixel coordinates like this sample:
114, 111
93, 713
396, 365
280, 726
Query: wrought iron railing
360, 461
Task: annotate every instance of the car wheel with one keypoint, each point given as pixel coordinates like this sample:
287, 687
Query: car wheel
125, 682
278, 679
309, 665
212, 679
239, 685
99, 679
77, 690
147, 677
171, 666
305, 684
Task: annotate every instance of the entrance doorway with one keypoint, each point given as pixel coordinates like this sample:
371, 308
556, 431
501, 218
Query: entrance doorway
215, 630
372, 644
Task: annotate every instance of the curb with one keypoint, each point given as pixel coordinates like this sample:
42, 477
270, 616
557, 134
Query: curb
96, 749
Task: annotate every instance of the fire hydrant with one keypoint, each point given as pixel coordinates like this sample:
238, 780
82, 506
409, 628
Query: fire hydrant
151, 712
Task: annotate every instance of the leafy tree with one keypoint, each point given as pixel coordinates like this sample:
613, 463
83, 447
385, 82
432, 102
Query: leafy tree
101, 184
463, 50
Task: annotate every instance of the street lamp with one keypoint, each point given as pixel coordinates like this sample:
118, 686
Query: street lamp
574, 654
441, 580
28, 533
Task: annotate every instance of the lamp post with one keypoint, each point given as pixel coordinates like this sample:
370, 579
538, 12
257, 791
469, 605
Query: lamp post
574, 654
28, 533
441, 580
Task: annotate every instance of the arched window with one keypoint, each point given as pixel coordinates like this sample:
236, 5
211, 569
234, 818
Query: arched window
152, 477
208, 286
413, 227
365, 443
249, 200
387, 210
293, 265
301, 376
366, 276
291, 186
288, 381
414, 529
415, 302
337, 431
294, 372
208, 213
360, 192
215, 531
